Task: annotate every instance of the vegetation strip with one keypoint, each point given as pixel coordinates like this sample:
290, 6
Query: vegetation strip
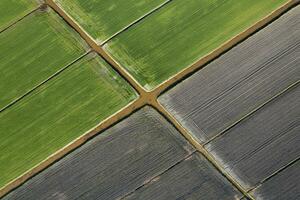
145, 98
20, 19
13, 11
181, 33
43, 82
103, 19
58, 112
46, 45
136, 21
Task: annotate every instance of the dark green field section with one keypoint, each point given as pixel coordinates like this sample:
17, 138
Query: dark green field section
58, 112
283, 186
34, 49
240, 81
113, 164
182, 32
13, 10
262, 143
104, 18
192, 179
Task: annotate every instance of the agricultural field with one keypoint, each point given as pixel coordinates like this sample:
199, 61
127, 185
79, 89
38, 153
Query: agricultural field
12, 10
180, 33
241, 80
124, 149
103, 19
58, 112
160, 99
48, 45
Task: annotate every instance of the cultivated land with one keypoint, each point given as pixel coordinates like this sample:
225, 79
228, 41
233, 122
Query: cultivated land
244, 107
179, 34
102, 19
58, 112
241, 80
13, 10
190, 179
114, 163
34, 49
240, 112
284, 186
262, 143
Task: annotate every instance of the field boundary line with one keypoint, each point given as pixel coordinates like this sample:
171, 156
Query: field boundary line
280, 170
256, 109
14, 22
44, 81
135, 22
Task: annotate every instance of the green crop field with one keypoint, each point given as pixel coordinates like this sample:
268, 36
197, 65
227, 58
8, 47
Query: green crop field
33, 50
57, 113
102, 19
12, 10
180, 33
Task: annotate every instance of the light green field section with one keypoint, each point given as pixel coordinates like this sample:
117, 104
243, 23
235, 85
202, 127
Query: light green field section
58, 112
13, 10
34, 49
182, 32
103, 18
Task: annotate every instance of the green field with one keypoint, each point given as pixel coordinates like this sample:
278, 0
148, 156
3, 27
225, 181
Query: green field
58, 112
34, 49
103, 18
13, 10
182, 32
